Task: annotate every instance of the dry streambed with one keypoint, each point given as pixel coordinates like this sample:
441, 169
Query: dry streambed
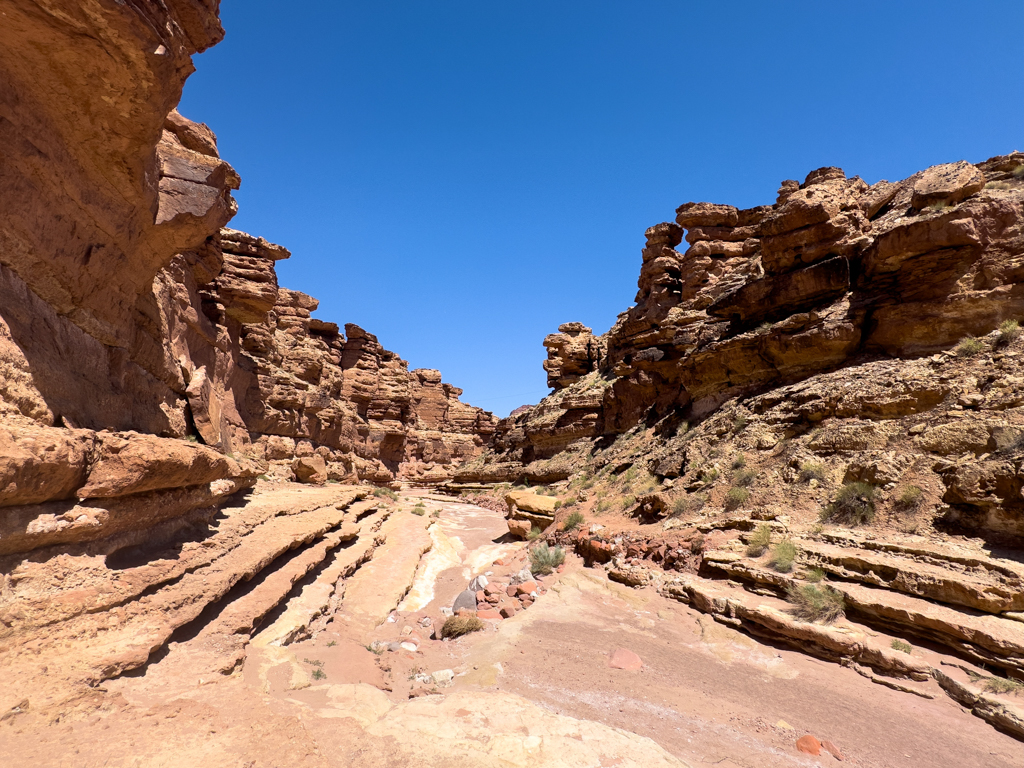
327, 655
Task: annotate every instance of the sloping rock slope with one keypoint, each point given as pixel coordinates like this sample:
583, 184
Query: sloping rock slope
841, 373
130, 319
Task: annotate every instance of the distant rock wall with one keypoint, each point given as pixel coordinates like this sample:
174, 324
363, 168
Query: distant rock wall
832, 276
130, 319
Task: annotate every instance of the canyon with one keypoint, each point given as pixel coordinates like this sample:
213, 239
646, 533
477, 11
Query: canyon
235, 533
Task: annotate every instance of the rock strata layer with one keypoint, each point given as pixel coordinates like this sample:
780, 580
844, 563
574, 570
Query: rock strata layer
132, 321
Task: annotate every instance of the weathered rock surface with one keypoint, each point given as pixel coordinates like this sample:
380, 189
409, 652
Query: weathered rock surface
131, 318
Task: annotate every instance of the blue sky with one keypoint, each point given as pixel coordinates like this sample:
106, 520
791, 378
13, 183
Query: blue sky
460, 177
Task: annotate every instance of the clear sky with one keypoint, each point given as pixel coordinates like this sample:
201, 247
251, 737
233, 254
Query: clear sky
460, 177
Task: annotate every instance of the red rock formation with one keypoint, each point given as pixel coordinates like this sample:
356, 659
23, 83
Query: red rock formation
129, 319
834, 274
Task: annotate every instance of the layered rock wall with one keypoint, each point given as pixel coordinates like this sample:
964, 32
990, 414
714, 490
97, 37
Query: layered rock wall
835, 276
132, 322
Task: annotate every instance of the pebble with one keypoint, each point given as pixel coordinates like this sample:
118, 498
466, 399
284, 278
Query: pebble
443, 677
830, 747
808, 745
623, 658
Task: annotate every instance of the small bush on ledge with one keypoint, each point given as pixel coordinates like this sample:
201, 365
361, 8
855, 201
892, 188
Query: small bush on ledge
853, 505
736, 498
759, 540
815, 603
783, 556
969, 347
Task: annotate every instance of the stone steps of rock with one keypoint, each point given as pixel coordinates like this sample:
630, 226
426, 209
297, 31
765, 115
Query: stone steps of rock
926, 574
307, 611
100, 645
982, 638
377, 588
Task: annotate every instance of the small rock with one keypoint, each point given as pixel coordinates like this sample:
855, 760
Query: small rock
526, 588
510, 590
622, 658
410, 646
416, 693
526, 601
489, 613
378, 646
508, 610
830, 747
561, 568
493, 589
426, 622
446, 611
523, 575
478, 583
466, 599
393, 647
809, 745
406, 630
480, 596
443, 677
784, 725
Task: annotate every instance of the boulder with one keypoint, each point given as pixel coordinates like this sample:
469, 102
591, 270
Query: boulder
947, 184
310, 469
134, 463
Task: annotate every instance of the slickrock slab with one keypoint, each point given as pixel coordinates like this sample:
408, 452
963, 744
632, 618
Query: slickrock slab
87, 648
378, 587
489, 729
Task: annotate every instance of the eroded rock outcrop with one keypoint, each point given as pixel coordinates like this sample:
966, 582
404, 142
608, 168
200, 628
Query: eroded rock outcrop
835, 274
132, 319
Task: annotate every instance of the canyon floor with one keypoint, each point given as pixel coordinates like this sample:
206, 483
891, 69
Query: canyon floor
293, 667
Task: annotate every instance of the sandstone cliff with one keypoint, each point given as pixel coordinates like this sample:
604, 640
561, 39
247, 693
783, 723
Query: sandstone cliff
131, 320
836, 275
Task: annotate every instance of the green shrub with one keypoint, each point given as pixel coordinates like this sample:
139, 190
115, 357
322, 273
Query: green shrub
558, 504
572, 501
544, 559
689, 503
814, 575
1008, 332
783, 556
969, 347
736, 498
810, 470
815, 603
1003, 685
853, 505
708, 475
739, 462
740, 423
419, 509
573, 521
759, 540
457, 626
627, 501
603, 505
764, 327
745, 478
901, 645
319, 674
909, 497
534, 533
385, 493
697, 544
